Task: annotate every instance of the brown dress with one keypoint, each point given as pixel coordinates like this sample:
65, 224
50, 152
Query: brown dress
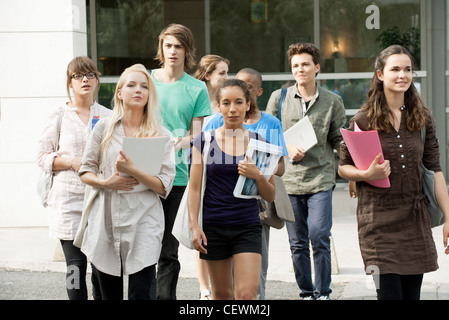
393, 223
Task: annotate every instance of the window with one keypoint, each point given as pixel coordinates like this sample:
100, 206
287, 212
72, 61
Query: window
256, 34
240, 32
352, 33
126, 33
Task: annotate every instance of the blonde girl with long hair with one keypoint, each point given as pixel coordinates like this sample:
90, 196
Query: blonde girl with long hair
124, 231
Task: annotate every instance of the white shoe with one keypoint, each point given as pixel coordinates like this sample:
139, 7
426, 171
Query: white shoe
323, 298
205, 295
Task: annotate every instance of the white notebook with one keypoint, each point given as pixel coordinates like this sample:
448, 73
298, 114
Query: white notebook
146, 154
301, 135
266, 156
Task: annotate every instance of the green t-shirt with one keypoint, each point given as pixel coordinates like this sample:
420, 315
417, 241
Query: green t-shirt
181, 101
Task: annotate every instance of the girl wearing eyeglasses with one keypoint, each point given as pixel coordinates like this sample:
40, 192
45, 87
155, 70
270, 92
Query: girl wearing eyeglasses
65, 200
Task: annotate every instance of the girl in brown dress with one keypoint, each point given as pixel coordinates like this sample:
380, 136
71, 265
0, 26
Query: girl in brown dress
394, 229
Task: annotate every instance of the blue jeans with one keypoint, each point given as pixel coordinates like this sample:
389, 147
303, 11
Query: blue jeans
313, 222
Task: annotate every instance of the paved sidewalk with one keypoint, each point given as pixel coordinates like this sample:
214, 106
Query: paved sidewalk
27, 262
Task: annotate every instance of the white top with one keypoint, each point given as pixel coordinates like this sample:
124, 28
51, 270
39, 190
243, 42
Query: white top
65, 200
126, 229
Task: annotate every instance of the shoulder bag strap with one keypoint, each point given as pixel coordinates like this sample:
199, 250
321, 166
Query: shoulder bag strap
207, 139
281, 101
423, 135
58, 132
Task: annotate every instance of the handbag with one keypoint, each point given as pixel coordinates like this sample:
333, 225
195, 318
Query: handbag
269, 216
181, 227
428, 184
45, 179
278, 211
275, 214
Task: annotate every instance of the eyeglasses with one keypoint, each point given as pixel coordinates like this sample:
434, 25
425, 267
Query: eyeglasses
80, 76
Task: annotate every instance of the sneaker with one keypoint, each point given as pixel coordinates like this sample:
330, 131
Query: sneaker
323, 298
205, 295
307, 298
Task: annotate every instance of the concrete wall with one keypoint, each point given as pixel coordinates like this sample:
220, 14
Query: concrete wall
37, 41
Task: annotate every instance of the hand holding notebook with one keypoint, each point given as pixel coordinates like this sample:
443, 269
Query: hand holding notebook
301, 135
146, 154
364, 146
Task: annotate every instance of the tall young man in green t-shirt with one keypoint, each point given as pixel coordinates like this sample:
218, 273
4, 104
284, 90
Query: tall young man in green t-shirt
184, 103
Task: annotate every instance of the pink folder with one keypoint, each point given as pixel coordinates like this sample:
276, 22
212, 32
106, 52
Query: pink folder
364, 146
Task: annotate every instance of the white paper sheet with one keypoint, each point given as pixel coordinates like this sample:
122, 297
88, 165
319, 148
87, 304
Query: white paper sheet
266, 156
146, 154
301, 135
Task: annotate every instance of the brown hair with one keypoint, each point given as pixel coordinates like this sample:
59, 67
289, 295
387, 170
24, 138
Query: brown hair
185, 36
378, 112
299, 48
207, 65
82, 64
242, 85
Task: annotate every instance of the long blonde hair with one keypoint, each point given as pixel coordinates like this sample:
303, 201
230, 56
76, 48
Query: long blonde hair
151, 122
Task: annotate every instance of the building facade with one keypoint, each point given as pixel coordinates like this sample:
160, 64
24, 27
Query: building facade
39, 38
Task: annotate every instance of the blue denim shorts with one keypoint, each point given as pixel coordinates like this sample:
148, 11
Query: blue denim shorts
225, 241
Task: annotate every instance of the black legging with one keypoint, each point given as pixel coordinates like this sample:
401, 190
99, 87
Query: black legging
76, 273
399, 287
139, 284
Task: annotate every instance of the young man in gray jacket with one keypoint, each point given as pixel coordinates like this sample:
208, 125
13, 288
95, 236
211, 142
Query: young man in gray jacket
310, 176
